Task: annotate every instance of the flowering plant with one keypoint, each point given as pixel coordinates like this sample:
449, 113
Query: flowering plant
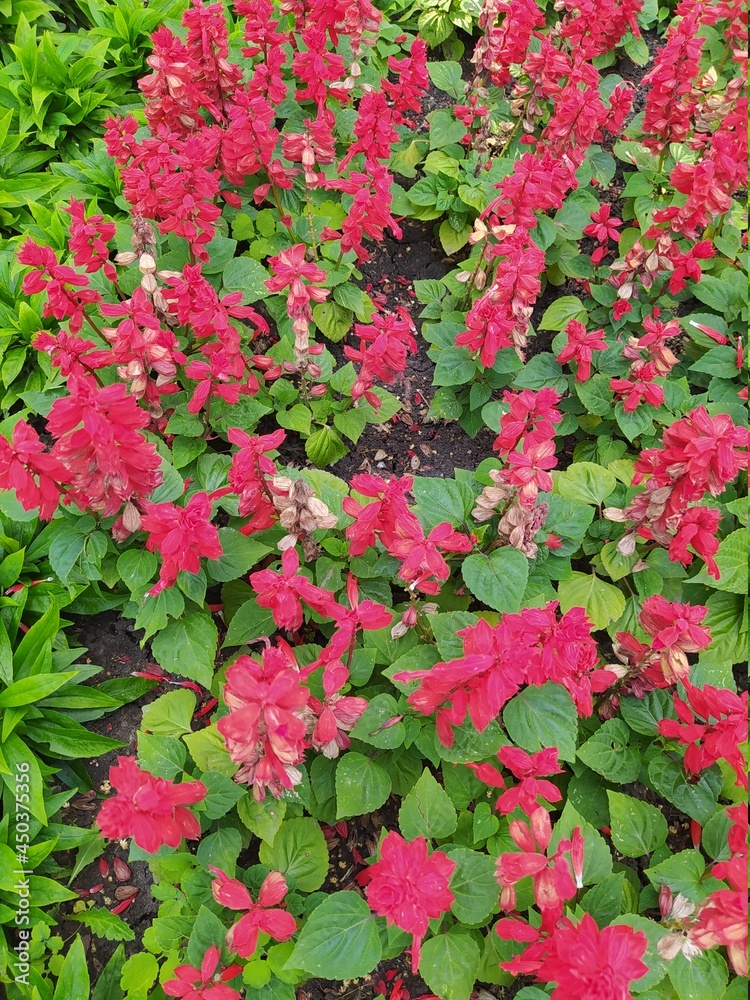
491, 720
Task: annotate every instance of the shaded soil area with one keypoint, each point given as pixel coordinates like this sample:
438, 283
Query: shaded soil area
410, 442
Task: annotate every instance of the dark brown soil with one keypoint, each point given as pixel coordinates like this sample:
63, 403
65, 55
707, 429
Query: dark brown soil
409, 442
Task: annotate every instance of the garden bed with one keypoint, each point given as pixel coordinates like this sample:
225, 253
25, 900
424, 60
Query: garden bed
374, 607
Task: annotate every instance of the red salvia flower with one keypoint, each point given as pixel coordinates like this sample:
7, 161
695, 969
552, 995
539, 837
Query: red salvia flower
580, 347
264, 916
67, 292
675, 630
709, 741
148, 809
99, 443
181, 535
267, 721
722, 921
284, 592
591, 964
25, 467
409, 888
89, 238
248, 474
204, 983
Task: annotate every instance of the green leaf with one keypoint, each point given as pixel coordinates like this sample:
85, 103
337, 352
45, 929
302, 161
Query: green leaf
498, 579
732, 562
569, 520
596, 396
449, 965
448, 77
300, 850
361, 785
238, 555
380, 710
585, 481
540, 372
207, 748
705, 975
207, 929
249, 622
104, 924
440, 500
334, 320
74, 981
608, 752
454, 366
637, 827
220, 849
139, 973
161, 756
137, 567
474, 886
32, 689
339, 939
445, 129
697, 799
187, 646
452, 239
602, 602
682, 873
170, 715
561, 312
427, 810
68, 544
264, 819
325, 447
542, 717
246, 275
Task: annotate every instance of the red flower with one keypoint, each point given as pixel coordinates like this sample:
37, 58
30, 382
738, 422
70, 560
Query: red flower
290, 268
603, 228
89, 238
26, 468
98, 442
380, 517
267, 721
550, 872
409, 888
634, 392
248, 475
148, 809
203, 983
710, 741
359, 615
589, 964
580, 347
422, 556
528, 468
697, 527
70, 353
56, 281
722, 920
264, 916
182, 536
529, 768
675, 629
283, 592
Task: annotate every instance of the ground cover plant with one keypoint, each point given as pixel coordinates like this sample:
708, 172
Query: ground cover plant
396, 734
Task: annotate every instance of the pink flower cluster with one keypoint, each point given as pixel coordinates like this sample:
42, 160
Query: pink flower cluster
699, 455
388, 519
531, 647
